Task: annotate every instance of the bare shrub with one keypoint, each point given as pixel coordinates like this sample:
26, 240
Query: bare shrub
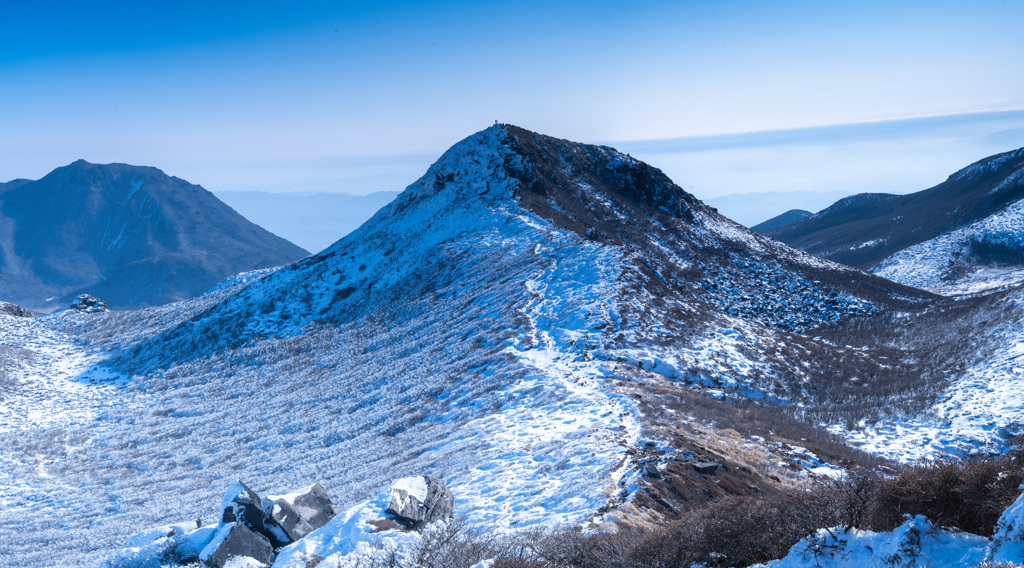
968, 494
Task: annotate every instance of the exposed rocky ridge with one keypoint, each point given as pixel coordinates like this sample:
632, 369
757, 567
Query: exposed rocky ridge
672, 245
10, 309
132, 235
862, 230
88, 304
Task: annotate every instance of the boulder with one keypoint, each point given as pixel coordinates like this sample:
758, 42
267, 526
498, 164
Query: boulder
290, 517
235, 540
187, 547
7, 308
651, 470
706, 468
421, 500
242, 505
88, 304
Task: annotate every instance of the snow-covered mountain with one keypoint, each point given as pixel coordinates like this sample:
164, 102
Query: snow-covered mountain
132, 236
942, 231
985, 255
540, 323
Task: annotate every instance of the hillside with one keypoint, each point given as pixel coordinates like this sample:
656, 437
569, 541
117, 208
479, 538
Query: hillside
545, 325
791, 216
863, 230
132, 236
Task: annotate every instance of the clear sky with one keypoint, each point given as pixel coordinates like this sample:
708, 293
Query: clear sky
357, 96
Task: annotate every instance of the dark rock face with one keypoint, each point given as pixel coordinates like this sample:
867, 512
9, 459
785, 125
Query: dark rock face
88, 304
291, 517
552, 170
7, 308
131, 235
233, 540
418, 501
244, 506
705, 468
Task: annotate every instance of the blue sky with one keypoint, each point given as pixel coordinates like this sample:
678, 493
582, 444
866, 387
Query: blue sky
345, 96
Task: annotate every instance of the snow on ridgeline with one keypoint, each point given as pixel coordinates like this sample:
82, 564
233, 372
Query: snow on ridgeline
945, 265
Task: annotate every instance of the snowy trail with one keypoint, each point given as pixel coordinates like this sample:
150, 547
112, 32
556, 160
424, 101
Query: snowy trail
560, 442
61, 383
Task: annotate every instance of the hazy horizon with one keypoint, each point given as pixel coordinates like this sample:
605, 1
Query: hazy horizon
343, 96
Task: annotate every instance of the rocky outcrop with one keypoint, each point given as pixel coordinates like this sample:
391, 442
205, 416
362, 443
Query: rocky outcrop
88, 304
9, 309
250, 527
288, 518
705, 467
418, 501
273, 531
234, 540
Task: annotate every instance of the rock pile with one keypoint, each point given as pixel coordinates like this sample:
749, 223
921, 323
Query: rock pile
419, 501
88, 304
7, 308
254, 530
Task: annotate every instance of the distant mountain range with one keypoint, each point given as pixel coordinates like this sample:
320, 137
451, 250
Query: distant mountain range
313, 221
132, 236
791, 216
750, 209
940, 238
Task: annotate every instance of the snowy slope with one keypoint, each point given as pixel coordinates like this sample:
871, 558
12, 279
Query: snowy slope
863, 230
981, 406
982, 256
481, 328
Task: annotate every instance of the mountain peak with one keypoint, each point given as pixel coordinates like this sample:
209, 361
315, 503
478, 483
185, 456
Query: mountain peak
588, 189
130, 235
114, 168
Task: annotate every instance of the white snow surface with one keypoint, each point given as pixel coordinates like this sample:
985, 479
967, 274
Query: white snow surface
929, 265
1008, 540
415, 486
349, 537
61, 384
914, 543
980, 409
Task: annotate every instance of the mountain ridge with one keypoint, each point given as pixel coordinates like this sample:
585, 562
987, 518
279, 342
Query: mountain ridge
864, 229
129, 234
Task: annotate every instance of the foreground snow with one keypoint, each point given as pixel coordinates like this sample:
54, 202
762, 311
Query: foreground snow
351, 539
915, 543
